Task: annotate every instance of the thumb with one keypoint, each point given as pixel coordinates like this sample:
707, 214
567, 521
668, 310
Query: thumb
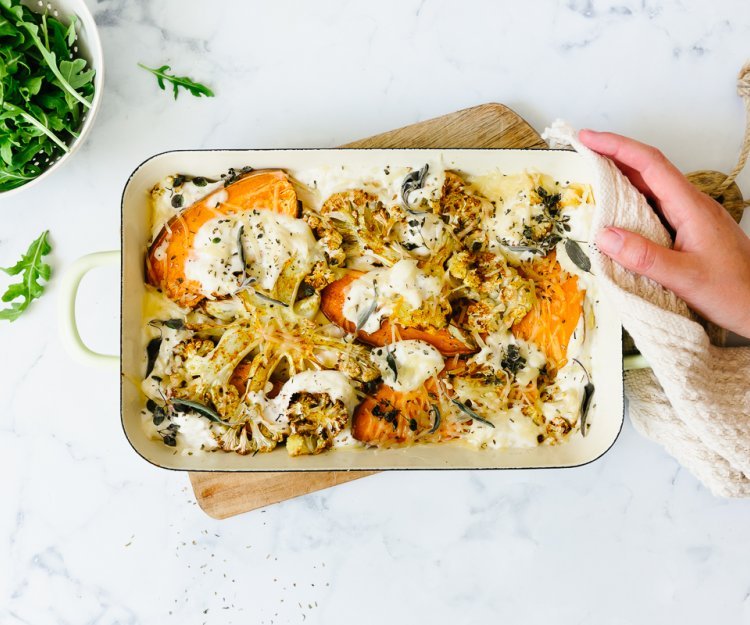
645, 257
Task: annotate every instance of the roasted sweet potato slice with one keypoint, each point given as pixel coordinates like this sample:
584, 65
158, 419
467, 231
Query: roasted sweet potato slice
390, 418
165, 262
332, 305
554, 316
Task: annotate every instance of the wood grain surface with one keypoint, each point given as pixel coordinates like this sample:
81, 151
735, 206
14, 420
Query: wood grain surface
222, 495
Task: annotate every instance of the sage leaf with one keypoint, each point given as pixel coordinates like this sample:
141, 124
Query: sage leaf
469, 412
577, 255
436, 418
184, 405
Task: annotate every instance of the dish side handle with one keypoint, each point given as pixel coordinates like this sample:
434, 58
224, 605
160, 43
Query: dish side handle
69, 334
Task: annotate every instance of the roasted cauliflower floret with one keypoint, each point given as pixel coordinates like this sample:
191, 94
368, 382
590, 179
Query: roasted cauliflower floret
558, 427
329, 238
488, 278
190, 348
462, 208
226, 399
320, 276
434, 313
365, 223
481, 317
254, 433
314, 421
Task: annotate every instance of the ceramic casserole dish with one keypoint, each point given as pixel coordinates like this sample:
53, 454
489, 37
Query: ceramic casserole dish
606, 411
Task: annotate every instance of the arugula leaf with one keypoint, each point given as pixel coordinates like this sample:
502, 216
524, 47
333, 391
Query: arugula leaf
29, 288
44, 92
195, 88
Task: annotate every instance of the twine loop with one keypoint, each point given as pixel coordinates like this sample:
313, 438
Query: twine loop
743, 90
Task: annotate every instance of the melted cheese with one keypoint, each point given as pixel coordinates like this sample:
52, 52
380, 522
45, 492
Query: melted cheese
422, 234
494, 348
332, 383
383, 182
402, 282
414, 361
195, 432
271, 243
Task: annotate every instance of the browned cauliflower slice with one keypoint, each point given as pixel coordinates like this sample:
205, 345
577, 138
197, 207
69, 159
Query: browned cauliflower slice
433, 313
320, 277
365, 223
314, 421
329, 238
462, 208
481, 317
488, 278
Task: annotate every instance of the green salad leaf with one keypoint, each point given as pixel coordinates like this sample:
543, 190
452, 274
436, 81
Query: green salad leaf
44, 92
195, 88
34, 269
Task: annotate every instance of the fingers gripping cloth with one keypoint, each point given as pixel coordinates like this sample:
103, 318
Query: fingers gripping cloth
695, 400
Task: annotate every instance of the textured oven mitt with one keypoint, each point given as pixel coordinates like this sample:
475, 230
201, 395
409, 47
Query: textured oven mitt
695, 400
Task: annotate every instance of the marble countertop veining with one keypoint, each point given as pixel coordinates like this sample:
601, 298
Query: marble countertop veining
93, 534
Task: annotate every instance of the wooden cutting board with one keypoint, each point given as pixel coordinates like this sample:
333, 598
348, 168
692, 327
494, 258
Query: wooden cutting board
222, 495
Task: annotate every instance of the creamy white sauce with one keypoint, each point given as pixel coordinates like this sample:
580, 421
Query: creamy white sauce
494, 347
415, 362
332, 383
214, 260
383, 182
422, 234
270, 243
195, 432
404, 281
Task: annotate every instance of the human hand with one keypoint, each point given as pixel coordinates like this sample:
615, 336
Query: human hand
709, 265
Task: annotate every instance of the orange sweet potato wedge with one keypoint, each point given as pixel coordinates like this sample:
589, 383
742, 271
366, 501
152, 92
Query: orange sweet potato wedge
165, 263
391, 417
332, 305
554, 317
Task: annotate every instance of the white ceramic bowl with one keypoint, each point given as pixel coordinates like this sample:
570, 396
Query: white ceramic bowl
89, 48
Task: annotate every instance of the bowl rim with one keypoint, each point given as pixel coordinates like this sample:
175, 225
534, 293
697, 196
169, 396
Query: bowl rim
93, 45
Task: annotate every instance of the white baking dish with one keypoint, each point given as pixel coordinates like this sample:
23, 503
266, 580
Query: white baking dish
606, 414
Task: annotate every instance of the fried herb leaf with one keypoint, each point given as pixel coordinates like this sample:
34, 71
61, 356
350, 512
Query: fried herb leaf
512, 361
185, 405
412, 181
34, 269
391, 361
577, 255
233, 175
366, 314
178, 82
588, 394
469, 412
152, 353
436, 418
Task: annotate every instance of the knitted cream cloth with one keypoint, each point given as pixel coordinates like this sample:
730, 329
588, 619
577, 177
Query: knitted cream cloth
695, 401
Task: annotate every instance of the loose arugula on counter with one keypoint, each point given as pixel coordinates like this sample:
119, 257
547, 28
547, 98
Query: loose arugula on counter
44, 92
34, 269
195, 88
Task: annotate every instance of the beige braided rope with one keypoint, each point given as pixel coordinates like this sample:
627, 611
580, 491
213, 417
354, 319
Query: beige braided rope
743, 90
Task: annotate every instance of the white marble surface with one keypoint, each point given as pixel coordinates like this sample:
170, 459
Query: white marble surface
90, 533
